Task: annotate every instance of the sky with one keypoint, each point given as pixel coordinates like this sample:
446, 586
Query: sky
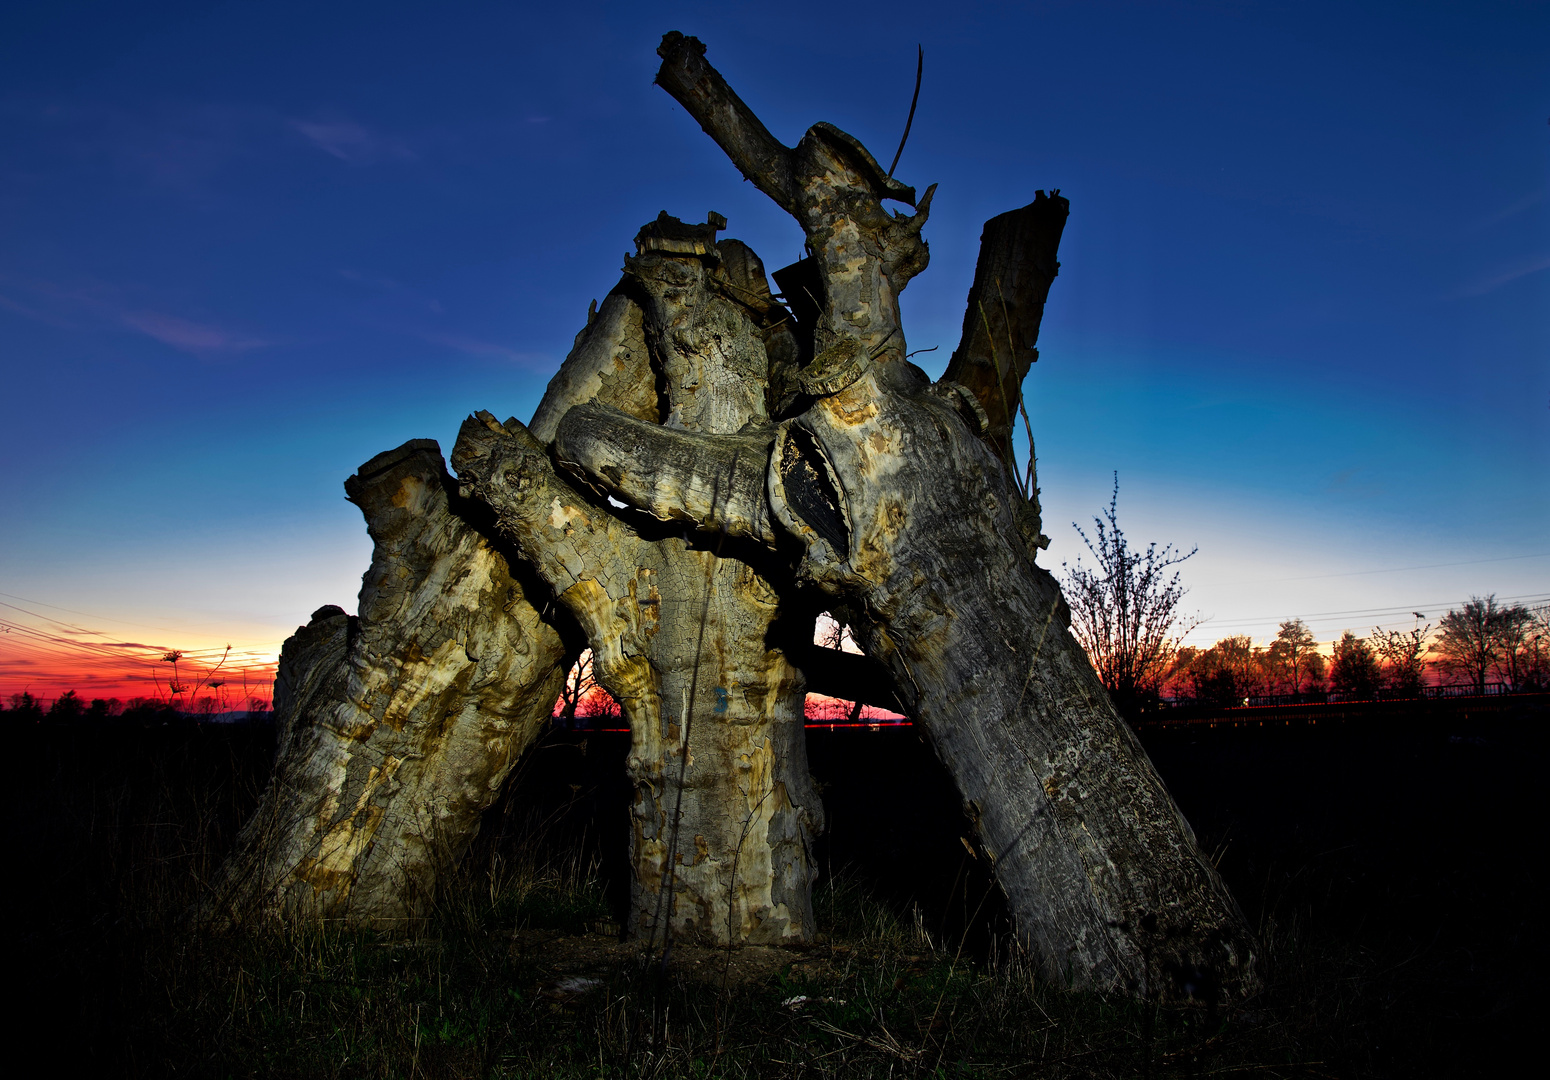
1303, 310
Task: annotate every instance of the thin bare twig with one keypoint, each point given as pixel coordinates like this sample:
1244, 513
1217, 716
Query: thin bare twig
920, 67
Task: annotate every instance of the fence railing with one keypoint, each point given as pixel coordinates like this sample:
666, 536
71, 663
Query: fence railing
1425, 693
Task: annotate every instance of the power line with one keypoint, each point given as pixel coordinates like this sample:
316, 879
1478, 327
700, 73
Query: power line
89, 615
263, 645
1393, 608
1393, 615
49, 649
1386, 570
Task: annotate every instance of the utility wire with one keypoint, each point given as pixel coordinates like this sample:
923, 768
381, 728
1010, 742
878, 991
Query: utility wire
89, 615
1390, 608
1385, 570
1384, 617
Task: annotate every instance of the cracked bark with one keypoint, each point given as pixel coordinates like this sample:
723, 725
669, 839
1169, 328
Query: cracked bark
906, 513
397, 727
721, 418
1001, 319
680, 636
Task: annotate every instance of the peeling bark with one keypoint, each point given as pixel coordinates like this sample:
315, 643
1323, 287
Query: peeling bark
680, 636
607, 363
397, 728
1100, 869
863, 256
744, 436
906, 515
1012, 278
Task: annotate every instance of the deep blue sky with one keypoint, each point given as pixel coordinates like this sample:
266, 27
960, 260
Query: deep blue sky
1304, 307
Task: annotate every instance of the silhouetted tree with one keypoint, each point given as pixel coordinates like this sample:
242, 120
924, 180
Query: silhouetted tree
1228, 672
1480, 638
147, 711
581, 690
1125, 612
1511, 636
1536, 649
25, 707
830, 633
578, 681
1354, 668
1403, 655
66, 707
1295, 654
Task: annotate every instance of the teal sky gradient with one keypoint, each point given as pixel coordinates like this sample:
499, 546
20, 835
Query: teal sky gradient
1304, 309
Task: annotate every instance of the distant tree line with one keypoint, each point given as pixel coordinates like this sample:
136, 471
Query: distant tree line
1125, 612
1480, 643
195, 694
69, 707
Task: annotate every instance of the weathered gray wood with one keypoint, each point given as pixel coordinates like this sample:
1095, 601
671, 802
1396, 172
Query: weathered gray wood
716, 336
905, 514
890, 491
397, 728
833, 186
607, 363
1001, 320
742, 867
1101, 870
909, 518
679, 636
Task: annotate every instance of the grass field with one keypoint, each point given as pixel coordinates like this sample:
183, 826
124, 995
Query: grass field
1391, 869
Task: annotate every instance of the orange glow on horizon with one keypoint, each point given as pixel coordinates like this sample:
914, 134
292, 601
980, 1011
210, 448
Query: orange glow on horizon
46, 674
45, 655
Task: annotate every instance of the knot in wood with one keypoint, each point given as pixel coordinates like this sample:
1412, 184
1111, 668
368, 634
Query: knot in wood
963, 401
835, 368
517, 479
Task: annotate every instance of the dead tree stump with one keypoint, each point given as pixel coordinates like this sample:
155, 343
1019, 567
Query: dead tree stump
900, 494
704, 459
680, 635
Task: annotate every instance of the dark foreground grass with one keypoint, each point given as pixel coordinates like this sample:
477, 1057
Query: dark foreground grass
1397, 940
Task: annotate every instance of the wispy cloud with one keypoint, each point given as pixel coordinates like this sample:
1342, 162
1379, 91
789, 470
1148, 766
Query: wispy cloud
1513, 209
174, 146
399, 292
48, 655
474, 347
29, 312
188, 336
189, 148
1512, 272
97, 305
1351, 482
350, 142
401, 309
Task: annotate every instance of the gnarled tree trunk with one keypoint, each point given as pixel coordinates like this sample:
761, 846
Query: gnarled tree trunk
397, 728
724, 811
908, 516
744, 449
